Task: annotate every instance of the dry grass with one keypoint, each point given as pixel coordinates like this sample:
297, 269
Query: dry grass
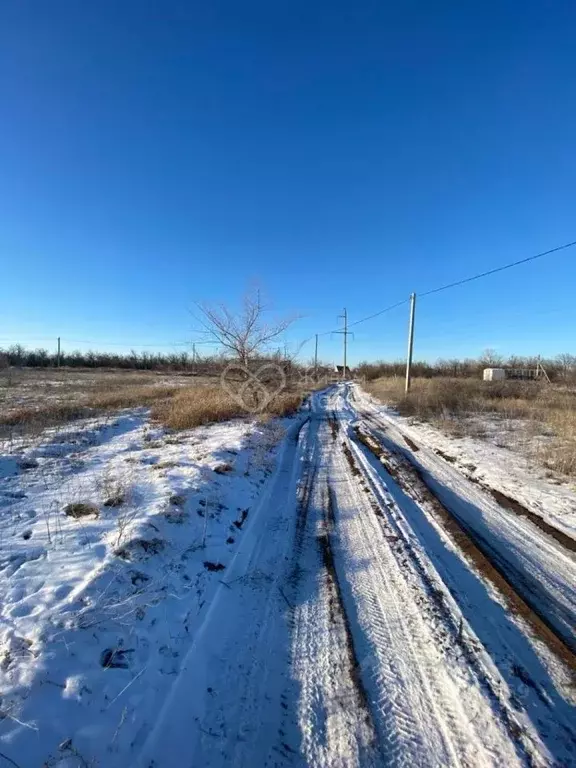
47, 415
132, 397
36, 402
194, 406
452, 404
55, 412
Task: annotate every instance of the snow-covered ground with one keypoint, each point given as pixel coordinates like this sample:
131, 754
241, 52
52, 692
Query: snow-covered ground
281, 594
358, 634
97, 611
509, 471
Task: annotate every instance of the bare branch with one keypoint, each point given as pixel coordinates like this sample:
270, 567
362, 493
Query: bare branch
245, 334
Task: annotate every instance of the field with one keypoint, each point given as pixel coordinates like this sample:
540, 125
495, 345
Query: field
33, 399
199, 572
535, 419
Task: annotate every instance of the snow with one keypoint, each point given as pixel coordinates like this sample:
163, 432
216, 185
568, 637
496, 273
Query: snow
506, 470
544, 571
257, 594
98, 611
304, 663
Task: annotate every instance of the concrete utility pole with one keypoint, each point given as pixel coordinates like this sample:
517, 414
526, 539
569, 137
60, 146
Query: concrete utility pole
316, 358
345, 333
58, 358
410, 341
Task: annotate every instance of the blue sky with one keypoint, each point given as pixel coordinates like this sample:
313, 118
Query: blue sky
153, 154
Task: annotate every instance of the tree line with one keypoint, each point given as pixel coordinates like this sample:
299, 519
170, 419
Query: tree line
559, 368
18, 355
206, 365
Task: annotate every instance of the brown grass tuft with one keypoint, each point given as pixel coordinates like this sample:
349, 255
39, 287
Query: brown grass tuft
194, 406
54, 413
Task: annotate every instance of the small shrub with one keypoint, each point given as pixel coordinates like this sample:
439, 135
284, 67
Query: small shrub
115, 501
177, 516
138, 548
115, 658
28, 463
81, 509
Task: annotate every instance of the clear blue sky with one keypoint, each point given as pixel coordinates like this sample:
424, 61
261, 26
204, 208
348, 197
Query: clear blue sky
153, 154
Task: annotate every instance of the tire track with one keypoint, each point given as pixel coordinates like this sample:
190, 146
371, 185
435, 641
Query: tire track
523, 692
446, 621
524, 595
334, 714
422, 718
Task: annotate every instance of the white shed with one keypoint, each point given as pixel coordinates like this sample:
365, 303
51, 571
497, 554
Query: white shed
494, 374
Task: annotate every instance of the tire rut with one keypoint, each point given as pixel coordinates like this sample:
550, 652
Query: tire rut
414, 482
446, 622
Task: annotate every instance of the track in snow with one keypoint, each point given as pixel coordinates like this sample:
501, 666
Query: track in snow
351, 634
541, 569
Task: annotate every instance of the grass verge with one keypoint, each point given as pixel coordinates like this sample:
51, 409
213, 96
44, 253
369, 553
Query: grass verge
547, 412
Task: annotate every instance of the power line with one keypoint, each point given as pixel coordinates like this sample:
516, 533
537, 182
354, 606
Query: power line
370, 317
381, 312
498, 269
460, 282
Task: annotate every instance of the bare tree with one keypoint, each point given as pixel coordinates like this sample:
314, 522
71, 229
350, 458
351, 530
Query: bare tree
567, 364
491, 359
244, 334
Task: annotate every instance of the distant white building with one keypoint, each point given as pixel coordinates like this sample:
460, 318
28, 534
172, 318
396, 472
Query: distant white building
494, 374
527, 374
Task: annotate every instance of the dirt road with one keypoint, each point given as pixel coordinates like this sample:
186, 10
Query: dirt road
364, 623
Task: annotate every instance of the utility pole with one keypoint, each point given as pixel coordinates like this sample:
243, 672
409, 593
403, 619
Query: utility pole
58, 359
316, 358
345, 333
410, 341
194, 357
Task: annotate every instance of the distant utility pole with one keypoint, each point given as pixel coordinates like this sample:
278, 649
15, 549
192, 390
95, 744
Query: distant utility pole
316, 358
345, 333
193, 358
410, 341
58, 358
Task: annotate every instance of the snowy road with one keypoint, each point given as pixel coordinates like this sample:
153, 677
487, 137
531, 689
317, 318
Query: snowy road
355, 628
541, 568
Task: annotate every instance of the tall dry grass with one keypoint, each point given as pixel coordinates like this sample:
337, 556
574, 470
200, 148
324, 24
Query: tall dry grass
194, 406
57, 412
548, 410
176, 407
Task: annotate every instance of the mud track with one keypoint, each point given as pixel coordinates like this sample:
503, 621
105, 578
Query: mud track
413, 481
